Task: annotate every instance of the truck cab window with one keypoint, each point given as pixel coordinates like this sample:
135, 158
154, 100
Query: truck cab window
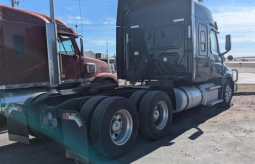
214, 44
19, 45
65, 46
203, 41
170, 37
142, 40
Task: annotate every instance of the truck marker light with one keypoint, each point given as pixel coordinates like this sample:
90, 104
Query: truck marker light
90, 68
49, 116
45, 120
72, 116
179, 20
19, 110
136, 26
189, 32
54, 122
65, 117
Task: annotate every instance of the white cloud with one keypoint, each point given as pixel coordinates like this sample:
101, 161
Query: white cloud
237, 21
109, 21
73, 20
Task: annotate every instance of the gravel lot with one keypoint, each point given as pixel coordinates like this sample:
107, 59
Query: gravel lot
200, 135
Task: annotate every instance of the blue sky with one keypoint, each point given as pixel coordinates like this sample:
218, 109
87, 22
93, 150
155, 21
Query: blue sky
235, 17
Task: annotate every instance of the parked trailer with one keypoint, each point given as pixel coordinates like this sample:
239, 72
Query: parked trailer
171, 48
27, 53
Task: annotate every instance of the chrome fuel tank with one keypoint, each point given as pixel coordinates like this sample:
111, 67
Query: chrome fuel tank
191, 96
187, 97
18, 96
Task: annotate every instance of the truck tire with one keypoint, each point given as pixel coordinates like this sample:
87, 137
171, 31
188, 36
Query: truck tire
136, 98
89, 108
227, 94
155, 115
114, 127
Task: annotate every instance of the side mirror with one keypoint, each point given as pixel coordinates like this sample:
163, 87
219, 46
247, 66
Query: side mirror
230, 57
228, 43
81, 44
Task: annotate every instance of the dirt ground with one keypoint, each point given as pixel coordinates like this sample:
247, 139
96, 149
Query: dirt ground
199, 135
246, 88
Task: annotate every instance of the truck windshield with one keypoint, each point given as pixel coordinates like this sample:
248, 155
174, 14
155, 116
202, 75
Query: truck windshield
65, 45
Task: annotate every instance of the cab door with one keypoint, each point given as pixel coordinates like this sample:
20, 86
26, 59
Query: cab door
70, 59
217, 69
203, 63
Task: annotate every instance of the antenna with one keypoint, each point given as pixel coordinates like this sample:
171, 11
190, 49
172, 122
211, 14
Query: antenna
107, 49
81, 18
81, 21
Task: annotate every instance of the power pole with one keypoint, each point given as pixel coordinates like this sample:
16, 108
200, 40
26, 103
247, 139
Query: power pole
14, 2
107, 49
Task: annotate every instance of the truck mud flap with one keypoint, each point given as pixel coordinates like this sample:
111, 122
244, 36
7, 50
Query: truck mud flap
17, 124
75, 136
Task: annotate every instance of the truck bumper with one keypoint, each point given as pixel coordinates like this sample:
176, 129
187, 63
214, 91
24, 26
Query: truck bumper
235, 79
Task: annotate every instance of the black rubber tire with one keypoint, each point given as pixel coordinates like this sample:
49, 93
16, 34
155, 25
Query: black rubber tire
147, 127
226, 103
136, 98
89, 108
100, 127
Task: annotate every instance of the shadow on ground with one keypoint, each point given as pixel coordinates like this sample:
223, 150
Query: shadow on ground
42, 152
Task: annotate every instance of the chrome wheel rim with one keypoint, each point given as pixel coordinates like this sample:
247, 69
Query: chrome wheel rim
228, 93
121, 127
160, 115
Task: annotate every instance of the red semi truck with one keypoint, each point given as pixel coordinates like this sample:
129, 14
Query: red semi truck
25, 57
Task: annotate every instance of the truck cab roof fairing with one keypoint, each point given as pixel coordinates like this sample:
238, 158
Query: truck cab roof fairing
22, 16
128, 5
30, 17
202, 12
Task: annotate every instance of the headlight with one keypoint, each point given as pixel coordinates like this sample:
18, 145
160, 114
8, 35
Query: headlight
91, 68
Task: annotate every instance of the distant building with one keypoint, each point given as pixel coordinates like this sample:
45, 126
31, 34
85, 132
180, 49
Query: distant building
90, 54
100, 56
